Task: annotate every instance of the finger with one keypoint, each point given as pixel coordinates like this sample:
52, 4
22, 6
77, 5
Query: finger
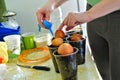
69, 28
47, 17
61, 26
69, 21
41, 24
39, 18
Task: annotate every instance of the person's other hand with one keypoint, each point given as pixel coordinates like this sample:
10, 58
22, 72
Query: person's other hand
44, 13
73, 19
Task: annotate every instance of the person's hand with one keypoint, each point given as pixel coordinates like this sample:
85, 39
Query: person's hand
44, 13
73, 19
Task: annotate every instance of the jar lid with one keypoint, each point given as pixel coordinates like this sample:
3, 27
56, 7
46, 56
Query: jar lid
9, 14
35, 55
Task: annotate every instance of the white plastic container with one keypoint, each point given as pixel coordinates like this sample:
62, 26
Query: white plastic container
42, 39
13, 43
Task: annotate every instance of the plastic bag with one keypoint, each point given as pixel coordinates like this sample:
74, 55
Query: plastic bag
3, 53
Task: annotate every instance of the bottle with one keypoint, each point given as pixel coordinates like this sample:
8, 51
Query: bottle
11, 23
10, 26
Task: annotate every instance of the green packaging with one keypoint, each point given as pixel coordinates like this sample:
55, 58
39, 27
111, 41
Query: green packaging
2, 10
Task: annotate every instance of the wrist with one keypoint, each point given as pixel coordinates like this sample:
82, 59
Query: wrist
84, 17
90, 16
50, 4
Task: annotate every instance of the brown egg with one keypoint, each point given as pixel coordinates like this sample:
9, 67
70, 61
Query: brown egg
57, 41
65, 48
76, 37
59, 34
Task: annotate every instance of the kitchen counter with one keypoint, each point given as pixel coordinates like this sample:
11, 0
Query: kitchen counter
86, 71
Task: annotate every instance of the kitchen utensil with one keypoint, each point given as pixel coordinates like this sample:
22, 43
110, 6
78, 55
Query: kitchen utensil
48, 25
45, 68
39, 28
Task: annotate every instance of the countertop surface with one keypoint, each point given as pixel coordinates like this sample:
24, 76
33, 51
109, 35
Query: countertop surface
86, 71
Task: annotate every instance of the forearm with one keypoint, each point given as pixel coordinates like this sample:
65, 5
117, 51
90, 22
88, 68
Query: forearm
102, 8
59, 2
54, 3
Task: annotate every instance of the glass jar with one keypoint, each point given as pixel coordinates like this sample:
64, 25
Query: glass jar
11, 71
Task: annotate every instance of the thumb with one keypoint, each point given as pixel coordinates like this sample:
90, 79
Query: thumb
47, 17
61, 26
